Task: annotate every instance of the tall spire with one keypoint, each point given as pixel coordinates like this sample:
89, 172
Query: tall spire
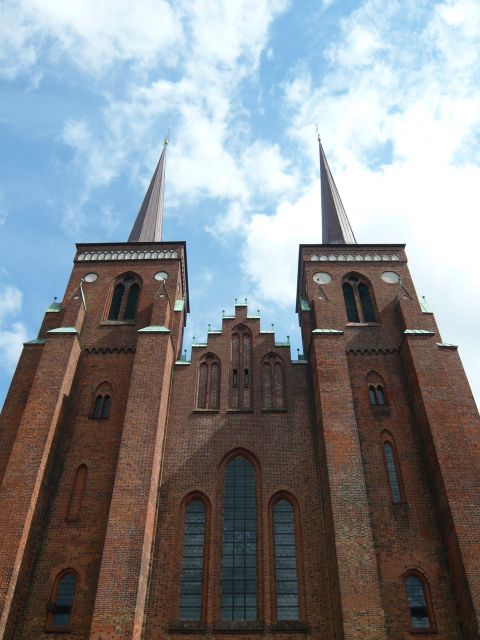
148, 225
336, 227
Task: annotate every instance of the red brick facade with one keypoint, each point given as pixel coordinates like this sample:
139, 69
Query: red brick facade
383, 489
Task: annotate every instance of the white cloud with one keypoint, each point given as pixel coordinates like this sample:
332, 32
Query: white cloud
91, 34
12, 334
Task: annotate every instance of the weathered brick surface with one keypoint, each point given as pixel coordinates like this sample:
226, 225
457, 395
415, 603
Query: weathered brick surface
324, 451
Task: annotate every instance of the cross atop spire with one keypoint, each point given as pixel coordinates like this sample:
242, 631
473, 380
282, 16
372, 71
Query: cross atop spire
336, 227
148, 225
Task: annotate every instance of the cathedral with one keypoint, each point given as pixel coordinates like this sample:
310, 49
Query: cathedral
239, 494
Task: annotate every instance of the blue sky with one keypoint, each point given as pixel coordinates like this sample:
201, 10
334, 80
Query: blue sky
89, 89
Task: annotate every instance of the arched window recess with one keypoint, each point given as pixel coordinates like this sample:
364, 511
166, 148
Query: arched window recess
376, 390
102, 402
419, 602
61, 605
240, 396
124, 300
358, 299
208, 386
273, 383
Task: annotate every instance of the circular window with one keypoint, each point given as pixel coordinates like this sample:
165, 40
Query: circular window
391, 277
90, 277
322, 277
161, 275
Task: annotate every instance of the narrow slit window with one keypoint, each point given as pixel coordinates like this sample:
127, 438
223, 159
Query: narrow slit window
239, 551
235, 378
392, 472
76, 497
350, 303
191, 588
286, 582
246, 378
417, 603
372, 395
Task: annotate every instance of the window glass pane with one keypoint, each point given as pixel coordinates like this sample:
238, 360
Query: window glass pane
97, 412
372, 395
106, 407
116, 302
286, 585
392, 472
419, 617
366, 301
239, 586
380, 395
192, 568
350, 304
132, 299
62, 611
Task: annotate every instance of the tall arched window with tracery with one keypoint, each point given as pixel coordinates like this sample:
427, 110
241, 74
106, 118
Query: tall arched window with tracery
208, 388
241, 368
193, 561
239, 550
273, 382
60, 608
286, 570
124, 301
358, 298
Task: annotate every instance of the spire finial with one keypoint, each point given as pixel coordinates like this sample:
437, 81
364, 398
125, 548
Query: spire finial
336, 227
149, 222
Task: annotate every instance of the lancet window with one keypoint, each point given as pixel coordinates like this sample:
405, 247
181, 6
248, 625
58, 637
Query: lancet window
419, 605
239, 551
193, 564
392, 469
273, 382
286, 580
241, 368
61, 606
208, 390
358, 300
123, 305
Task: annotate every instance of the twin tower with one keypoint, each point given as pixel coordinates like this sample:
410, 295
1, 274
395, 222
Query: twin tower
240, 494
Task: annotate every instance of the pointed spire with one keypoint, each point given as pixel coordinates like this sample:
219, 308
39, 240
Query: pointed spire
336, 227
148, 225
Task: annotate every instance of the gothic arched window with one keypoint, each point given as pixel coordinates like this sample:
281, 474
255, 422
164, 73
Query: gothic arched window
419, 605
78, 490
61, 605
241, 368
193, 563
208, 391
102, 407
239, 551
273, 382
376, 389
286, 580
358, 300
123, 305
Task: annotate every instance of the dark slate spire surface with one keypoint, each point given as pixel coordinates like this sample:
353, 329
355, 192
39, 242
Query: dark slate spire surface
336, 227
149, 222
